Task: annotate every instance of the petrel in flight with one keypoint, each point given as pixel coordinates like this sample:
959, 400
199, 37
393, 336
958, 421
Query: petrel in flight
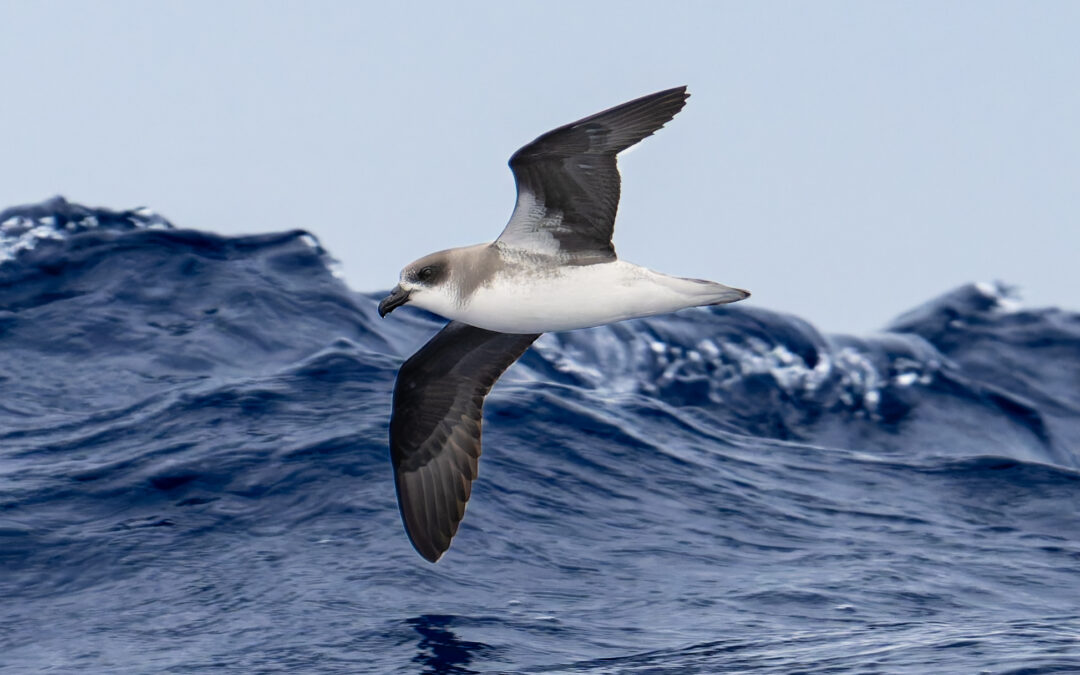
553, 268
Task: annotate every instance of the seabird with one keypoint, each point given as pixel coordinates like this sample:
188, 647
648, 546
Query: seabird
553, 268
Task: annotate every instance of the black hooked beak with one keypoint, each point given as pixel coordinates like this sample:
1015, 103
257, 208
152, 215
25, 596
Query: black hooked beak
398, 297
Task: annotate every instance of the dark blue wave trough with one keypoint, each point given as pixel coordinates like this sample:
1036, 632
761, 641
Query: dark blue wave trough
194, 478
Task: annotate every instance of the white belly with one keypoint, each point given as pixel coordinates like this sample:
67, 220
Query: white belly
570, 297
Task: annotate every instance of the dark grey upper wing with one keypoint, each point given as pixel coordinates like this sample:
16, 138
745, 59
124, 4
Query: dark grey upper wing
568, 182
435, 427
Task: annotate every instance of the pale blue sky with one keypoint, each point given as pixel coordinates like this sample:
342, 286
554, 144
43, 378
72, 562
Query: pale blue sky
844, 161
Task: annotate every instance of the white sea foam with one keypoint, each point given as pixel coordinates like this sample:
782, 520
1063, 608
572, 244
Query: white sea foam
11, 246
1006, 299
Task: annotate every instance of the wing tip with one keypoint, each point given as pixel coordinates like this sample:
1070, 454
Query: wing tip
634, 121
683, 90
676, 98
419, 524
431, 555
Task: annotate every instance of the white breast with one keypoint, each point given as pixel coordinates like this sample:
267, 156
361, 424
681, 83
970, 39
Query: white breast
545, 299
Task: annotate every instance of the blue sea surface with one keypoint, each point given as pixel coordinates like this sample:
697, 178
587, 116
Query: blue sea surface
194, 478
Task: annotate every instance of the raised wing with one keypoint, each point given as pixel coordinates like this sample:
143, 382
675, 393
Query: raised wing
568, 182
435, 427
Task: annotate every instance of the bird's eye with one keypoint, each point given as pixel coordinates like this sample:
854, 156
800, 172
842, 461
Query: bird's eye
425, 273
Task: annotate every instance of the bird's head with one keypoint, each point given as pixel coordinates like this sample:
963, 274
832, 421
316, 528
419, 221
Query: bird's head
422, 283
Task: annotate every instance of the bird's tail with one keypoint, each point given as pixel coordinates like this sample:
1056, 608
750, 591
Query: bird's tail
711, 293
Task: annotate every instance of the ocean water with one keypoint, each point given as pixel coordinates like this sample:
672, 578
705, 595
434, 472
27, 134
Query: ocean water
194, 478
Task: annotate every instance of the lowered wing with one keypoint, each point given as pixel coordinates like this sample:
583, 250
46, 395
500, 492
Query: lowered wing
435, 427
